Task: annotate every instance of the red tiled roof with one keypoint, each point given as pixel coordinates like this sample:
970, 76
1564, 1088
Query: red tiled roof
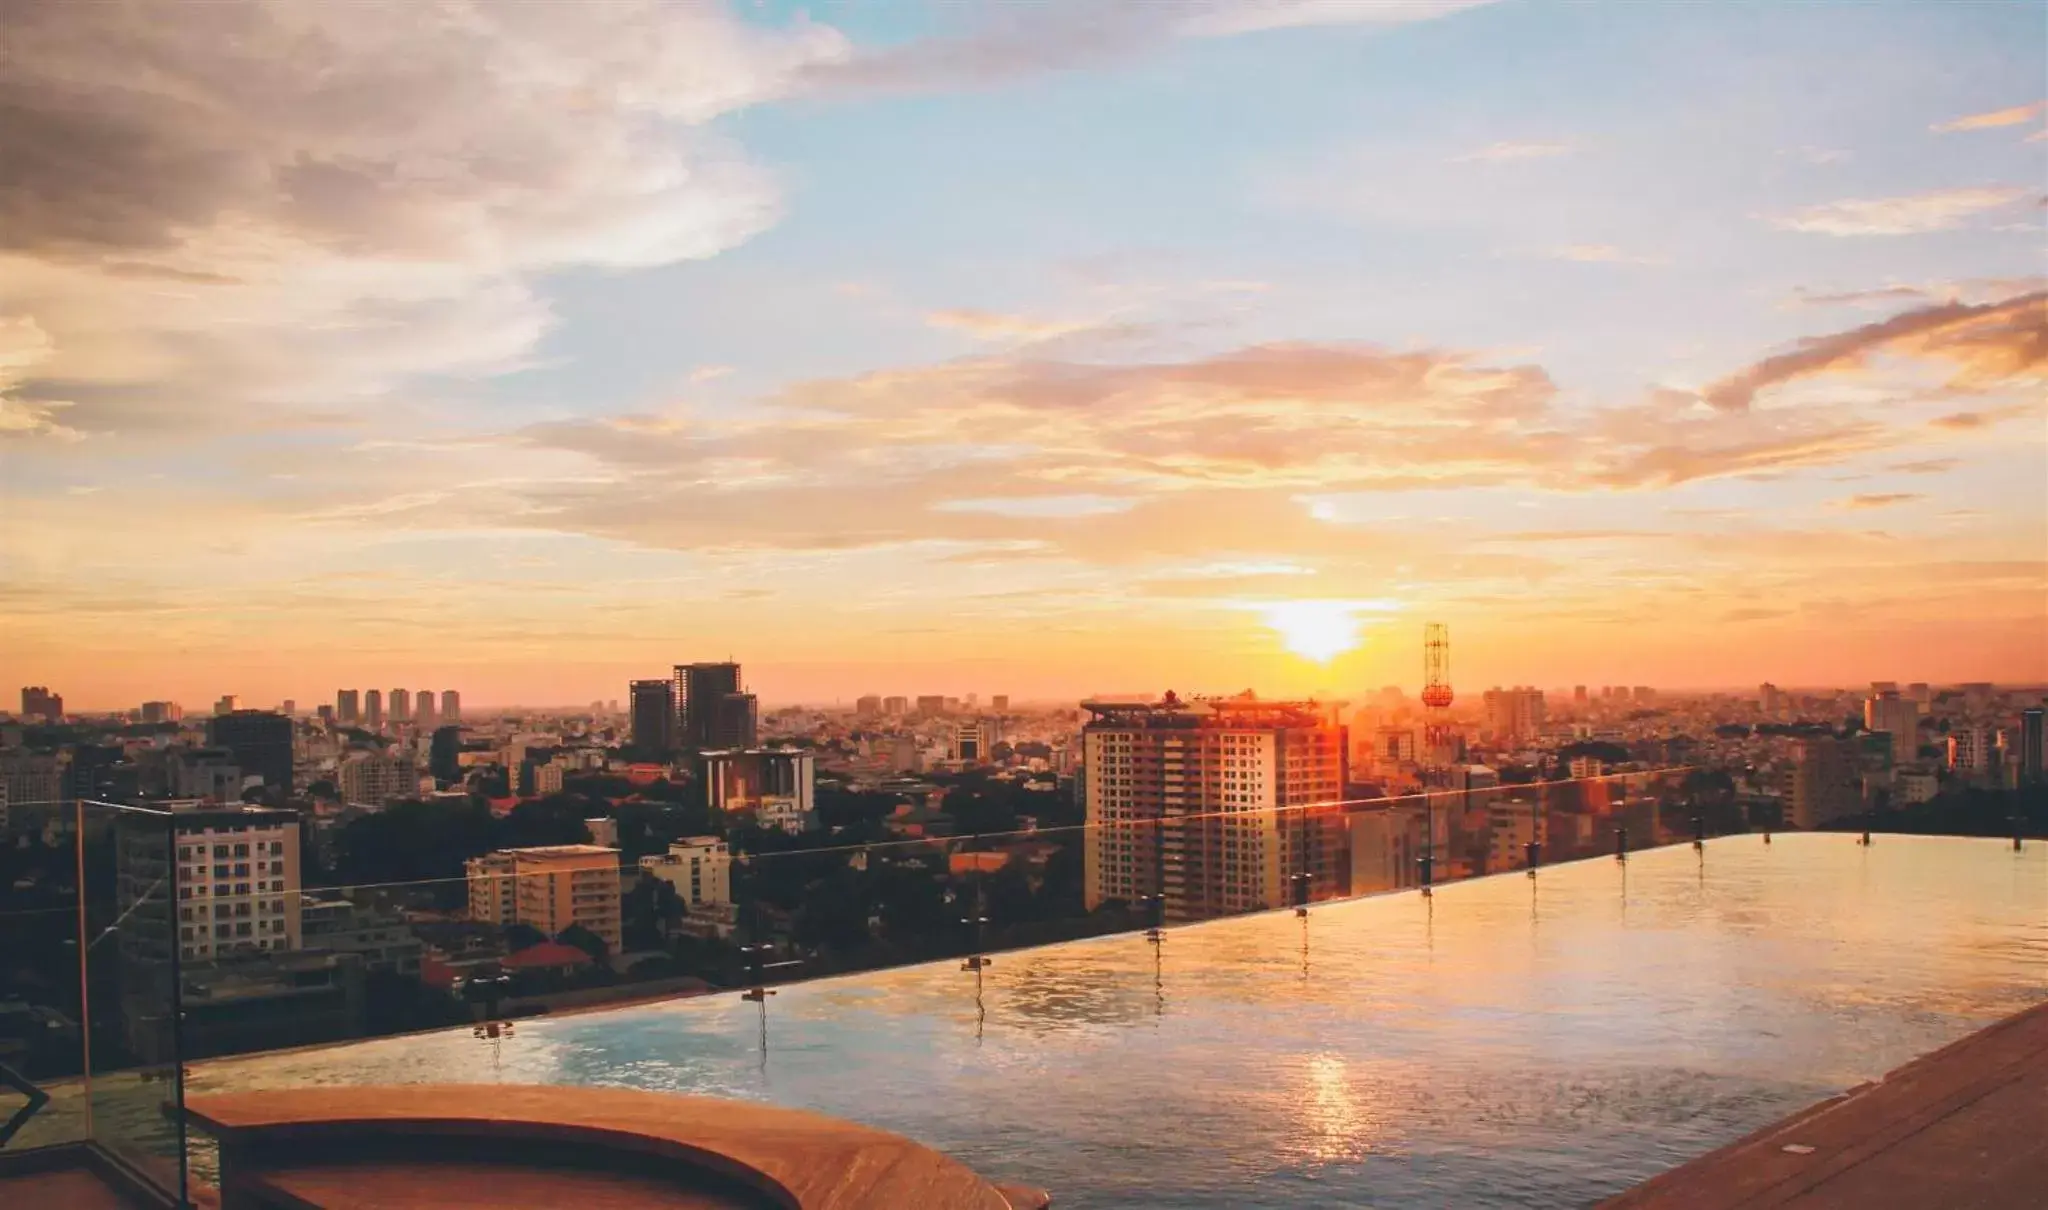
546, 954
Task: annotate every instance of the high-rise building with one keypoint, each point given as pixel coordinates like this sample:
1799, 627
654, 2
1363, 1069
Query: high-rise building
260, 742
444, 754
1769, 700
1515, 715
654, 717
970, 743
237, 883
423, 709
698, 867
29, 780
373, 709
999, 703
451, 706
1217, 807
895, 707
700, 692
737, 722
931, 705
2032, 769
1578, 695
1969, 751
868, 706
376, 778
1919, 692
162, 712
38, 702
1822, 784
289, 708
550, 887
1898, 717
777, 786
228, 704
401, 705
347, 706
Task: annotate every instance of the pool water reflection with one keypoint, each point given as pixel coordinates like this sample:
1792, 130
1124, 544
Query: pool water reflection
1509, 1042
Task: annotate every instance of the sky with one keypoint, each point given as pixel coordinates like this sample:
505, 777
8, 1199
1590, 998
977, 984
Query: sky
1034, 348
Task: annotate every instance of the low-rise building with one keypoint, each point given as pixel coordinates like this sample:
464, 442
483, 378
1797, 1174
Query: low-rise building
550, 887
698, 867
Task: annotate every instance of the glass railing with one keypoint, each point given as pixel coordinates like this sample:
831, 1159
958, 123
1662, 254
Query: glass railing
90, 1003
154, 967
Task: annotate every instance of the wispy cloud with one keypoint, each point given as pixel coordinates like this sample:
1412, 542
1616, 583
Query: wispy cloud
2018, 115
1872, 500
1914, 214
1600, 254
1992, 342
1926, 466
1508, 152
991, 325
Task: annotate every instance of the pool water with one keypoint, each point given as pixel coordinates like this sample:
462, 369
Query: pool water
1508, 1042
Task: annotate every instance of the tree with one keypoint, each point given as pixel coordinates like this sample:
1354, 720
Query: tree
585, 940
557, 819
521, 936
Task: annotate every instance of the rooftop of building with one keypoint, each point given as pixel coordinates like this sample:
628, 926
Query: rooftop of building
547, 851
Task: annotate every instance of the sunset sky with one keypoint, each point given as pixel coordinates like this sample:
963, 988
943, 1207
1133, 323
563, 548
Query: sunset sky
1034, 348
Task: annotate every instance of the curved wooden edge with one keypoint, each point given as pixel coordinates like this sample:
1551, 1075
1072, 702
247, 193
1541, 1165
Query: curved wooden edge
804, 1160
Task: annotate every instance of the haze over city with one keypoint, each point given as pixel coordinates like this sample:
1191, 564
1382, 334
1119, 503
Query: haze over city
1048, 348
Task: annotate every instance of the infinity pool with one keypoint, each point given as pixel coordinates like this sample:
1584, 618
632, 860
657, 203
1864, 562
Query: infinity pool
1510, 1042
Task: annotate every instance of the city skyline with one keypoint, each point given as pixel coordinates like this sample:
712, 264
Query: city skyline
1074, 349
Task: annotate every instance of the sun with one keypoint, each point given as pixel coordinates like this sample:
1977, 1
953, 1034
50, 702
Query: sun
1315, 630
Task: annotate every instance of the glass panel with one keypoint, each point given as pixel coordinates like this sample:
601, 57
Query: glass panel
42, 1060
133, 958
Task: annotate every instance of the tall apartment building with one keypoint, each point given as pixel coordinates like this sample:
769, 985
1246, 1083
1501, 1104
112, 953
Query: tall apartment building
698, 867
999, 703
260, 742
895, 707
376, 778
228, 703
38, 702
1970, 752
931, 705
1898, 717
549, 887
30, 780
401, 705
775, 785
867, 706
423, 709
1823, 783
653, 717
373, 709
1514, 715
235, 887
1208, 804
162, 712
451, 707
971, 743
347, 706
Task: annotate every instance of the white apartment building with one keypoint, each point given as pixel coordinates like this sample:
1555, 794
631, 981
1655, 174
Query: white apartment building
234, 881
376, 778
698, 867
1192, 801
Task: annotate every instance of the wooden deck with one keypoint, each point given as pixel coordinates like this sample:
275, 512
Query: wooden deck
1965, 1128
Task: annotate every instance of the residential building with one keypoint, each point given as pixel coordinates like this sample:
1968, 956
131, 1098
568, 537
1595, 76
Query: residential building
1823, 783
867, 707
1582, 768
162, 712
1914, 784
971, 743
1514, 716
552, 887
227, 704
931, 705
237, 882
373, 709
401, 705
37, 702
347, 706
698, 867
1387, 843
895, 707
736, 722
653, 717
31, 779
380, 938
1209, 804
1769, 700
2033, 771
423, 709
1889, 714
451, 707
1969, 752
208, 774
775, 785
999, 703
260, 742
376, 778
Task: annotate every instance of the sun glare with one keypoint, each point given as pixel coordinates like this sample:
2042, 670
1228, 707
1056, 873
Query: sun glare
1315, 630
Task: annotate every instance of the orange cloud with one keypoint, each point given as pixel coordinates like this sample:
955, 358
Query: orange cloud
2018, 115
1860, 503
1913, 215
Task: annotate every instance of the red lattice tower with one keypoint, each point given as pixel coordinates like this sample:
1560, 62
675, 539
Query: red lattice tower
1436, 686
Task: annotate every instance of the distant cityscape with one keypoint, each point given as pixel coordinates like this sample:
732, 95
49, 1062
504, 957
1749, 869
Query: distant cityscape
381, 861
